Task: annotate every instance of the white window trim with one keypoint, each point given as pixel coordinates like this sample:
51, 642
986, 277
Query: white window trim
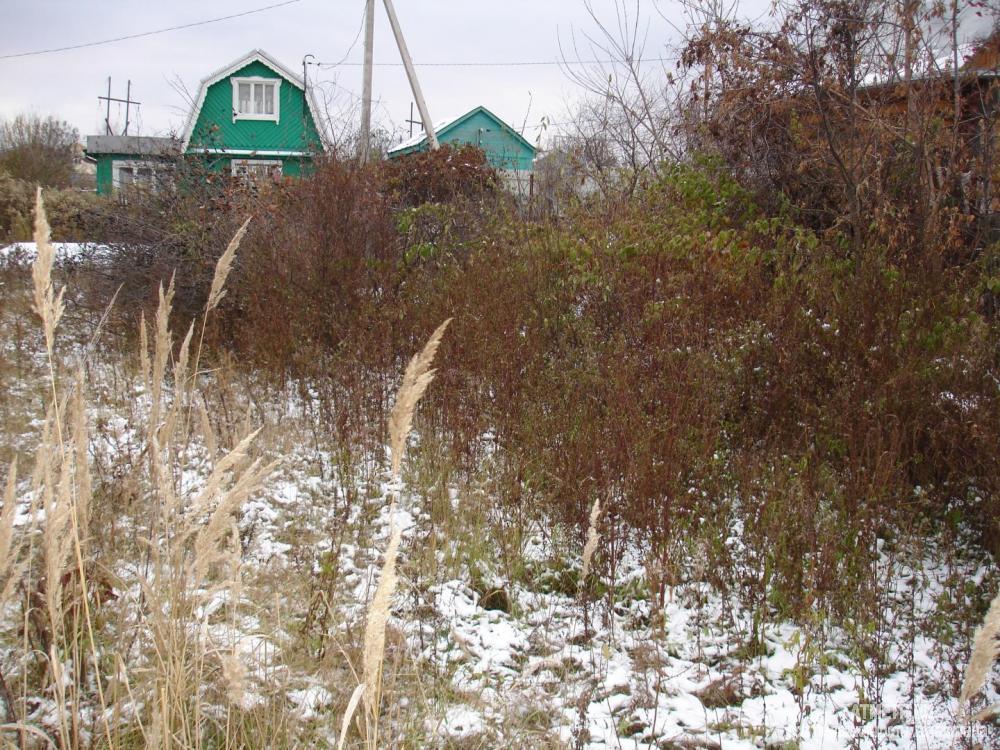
133, 164
237, 115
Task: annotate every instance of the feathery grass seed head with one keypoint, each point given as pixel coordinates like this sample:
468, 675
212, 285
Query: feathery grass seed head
223, 267
985, 649
416, 378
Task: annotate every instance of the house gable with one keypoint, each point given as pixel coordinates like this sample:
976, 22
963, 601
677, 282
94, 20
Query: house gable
214, 128
505, 148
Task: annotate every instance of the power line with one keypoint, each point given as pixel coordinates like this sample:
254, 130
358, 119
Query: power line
150, 33
506, 64
350, 49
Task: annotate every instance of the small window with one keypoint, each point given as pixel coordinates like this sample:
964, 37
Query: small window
149, 175
144, 176
256, 98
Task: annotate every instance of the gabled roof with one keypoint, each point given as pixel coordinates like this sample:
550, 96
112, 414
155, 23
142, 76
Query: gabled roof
441, 130
257, 55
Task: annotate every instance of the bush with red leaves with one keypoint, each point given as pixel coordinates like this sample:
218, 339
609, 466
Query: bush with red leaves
440, 176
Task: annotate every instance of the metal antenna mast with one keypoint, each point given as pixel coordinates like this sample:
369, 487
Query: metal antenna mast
413, 122
127, 101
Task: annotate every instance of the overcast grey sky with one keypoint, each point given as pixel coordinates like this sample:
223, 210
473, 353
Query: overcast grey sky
67, 84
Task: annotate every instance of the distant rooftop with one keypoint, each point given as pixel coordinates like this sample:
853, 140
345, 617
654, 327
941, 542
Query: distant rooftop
140, 145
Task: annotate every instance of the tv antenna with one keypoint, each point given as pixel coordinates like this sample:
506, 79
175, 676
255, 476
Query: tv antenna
128, 101
413, 122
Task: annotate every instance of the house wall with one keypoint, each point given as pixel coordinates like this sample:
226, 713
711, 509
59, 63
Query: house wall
291, 167
105, 168
502, 150
104, 174
294, 131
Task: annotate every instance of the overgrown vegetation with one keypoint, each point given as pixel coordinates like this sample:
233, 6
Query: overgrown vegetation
763, 374
691, 361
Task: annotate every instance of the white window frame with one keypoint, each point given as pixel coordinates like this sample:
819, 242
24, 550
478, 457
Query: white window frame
117, 165
251, 80
249, 178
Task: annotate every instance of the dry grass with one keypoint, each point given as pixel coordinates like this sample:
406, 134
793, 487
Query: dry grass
374, 648
416, 378
164, 647
590, 546
985, 649
192, 551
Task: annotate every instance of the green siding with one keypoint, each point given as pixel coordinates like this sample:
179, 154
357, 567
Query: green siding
214, 128
105, 168
290, 167
502, 150
504, 147
104, 179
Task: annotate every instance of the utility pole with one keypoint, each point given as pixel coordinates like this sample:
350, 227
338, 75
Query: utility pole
127, 101
411, 74
366, 87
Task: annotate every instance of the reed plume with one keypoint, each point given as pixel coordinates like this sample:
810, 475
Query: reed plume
47, 303
592, 538
416, 378
223, 267
985, 649
10, 547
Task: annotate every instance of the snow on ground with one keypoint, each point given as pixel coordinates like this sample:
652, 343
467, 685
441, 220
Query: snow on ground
65, 251
648, 676
624, 671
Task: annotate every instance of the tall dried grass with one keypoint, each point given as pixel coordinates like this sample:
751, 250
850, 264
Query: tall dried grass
590, 546
192, 543
417, 376
985, 649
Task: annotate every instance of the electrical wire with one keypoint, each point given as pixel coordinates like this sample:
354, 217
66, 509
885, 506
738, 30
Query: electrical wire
507, 64
149, 33
350, 49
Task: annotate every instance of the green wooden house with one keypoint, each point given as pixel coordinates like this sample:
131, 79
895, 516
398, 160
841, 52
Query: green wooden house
506, 150
124, 160
253, 118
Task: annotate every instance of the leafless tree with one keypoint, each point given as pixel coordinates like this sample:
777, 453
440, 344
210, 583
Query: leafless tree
631, 97
37, 150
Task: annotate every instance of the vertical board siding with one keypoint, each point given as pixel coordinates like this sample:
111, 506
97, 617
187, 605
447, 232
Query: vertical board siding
103, 175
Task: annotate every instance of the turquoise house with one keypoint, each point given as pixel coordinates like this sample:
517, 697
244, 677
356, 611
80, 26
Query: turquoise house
253, 118
506, 150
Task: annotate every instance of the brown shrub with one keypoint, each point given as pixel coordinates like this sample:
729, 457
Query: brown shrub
440, 176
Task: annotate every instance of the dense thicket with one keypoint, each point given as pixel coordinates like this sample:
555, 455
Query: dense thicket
700, 364
38, 150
